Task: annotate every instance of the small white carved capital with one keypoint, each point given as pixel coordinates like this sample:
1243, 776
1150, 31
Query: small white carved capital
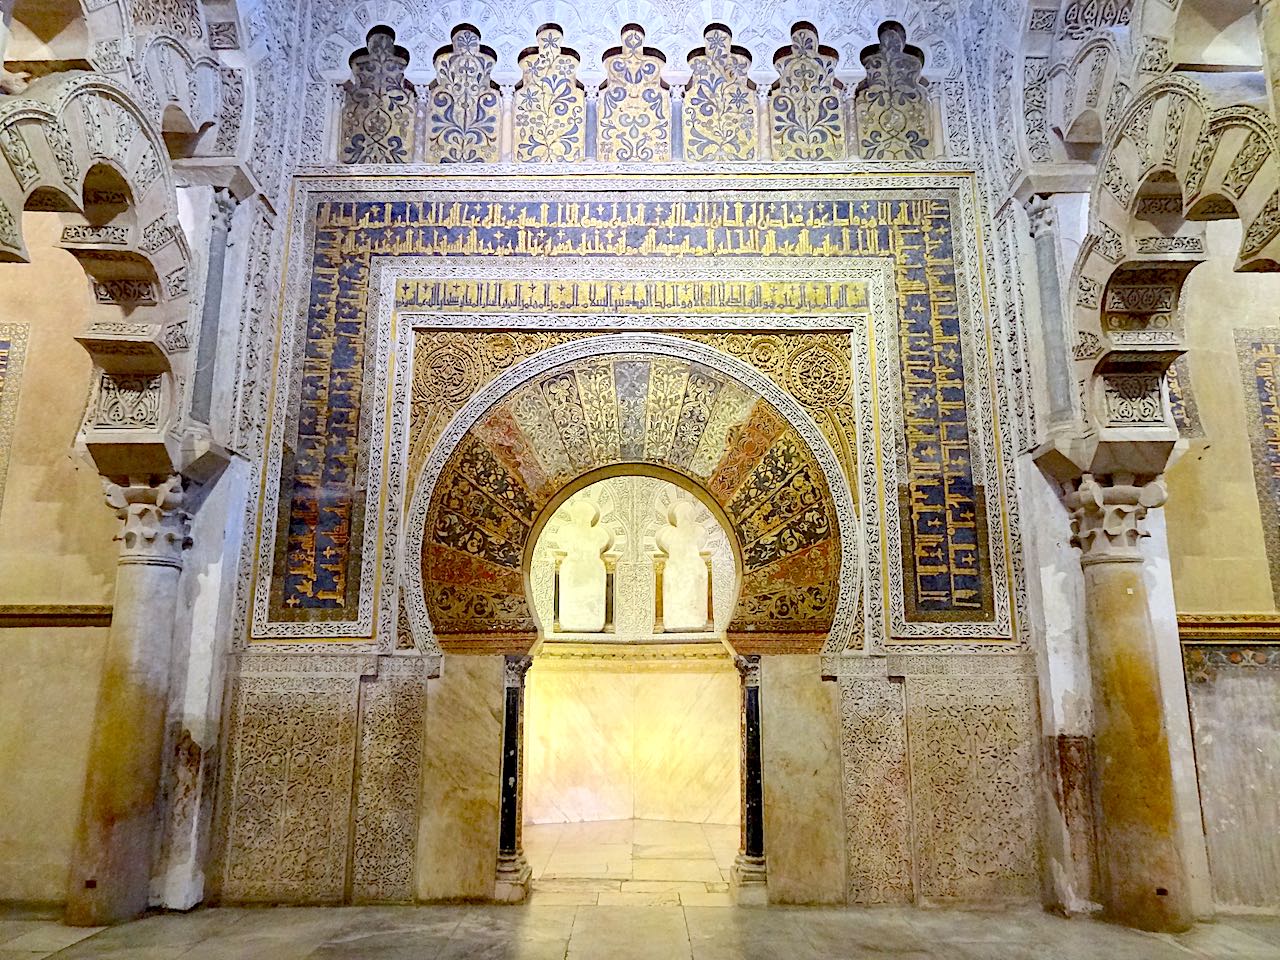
153, 526
224, 208
1107, 515
515, 668
748, 669
1041, 215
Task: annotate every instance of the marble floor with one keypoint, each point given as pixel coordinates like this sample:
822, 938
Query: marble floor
582, 932
631, 863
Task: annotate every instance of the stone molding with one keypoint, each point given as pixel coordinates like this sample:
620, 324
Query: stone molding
1229, 627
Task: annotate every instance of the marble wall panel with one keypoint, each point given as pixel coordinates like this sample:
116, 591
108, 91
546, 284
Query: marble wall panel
611, 740
1235, 711
803, 810
461, 788
973, 759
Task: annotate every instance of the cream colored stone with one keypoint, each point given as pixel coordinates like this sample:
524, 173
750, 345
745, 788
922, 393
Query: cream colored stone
803, 813
701, 871
55, 534
458, 836
48, 688
624, 741
582, 571
1216, 544
685, 579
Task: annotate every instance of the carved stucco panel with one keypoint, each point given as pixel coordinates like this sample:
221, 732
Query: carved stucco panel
289, 764
973, 783
392, 714
876, 796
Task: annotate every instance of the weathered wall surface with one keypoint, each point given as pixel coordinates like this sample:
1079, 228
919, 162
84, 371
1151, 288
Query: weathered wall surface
1219, 545
55, 549
800, 754
1234, 694
48, 690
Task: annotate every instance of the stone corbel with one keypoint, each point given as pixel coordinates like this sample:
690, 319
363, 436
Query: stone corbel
131, 402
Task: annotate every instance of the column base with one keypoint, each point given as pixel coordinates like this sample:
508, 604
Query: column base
748, 881
514, 876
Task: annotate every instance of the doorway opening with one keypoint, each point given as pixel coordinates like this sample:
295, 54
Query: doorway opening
632, 736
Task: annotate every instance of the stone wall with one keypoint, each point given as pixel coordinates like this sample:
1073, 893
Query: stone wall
1234, 692
56, 555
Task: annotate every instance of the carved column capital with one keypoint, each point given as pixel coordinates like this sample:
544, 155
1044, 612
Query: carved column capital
154, 529
1041, 215
1107, 515
748, 669
224, 208
516, 667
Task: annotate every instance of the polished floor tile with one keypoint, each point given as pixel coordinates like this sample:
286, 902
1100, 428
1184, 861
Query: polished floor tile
635, 924
677, 863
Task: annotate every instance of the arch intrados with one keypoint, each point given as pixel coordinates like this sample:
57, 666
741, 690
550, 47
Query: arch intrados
626, 468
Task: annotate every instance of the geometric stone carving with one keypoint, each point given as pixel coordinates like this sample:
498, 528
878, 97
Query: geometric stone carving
891, 104
1083, 16
550, 104
1133, 399
392, 714
804, 106
635, 119
876, 795
720, 105
465, 109
128, 402
974, 766
378, 116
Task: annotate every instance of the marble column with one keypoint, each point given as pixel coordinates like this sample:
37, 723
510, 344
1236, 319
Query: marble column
513, 876
111, 864
749, 873
764, 135
1144, 878
507, 134
1044, 234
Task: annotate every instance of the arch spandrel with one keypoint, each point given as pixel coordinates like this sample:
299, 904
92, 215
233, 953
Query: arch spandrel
644, 411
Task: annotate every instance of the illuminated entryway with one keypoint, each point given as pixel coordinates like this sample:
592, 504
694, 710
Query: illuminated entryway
632, 736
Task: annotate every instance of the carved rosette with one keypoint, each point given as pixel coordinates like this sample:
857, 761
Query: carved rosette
1107, 515
154, 528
